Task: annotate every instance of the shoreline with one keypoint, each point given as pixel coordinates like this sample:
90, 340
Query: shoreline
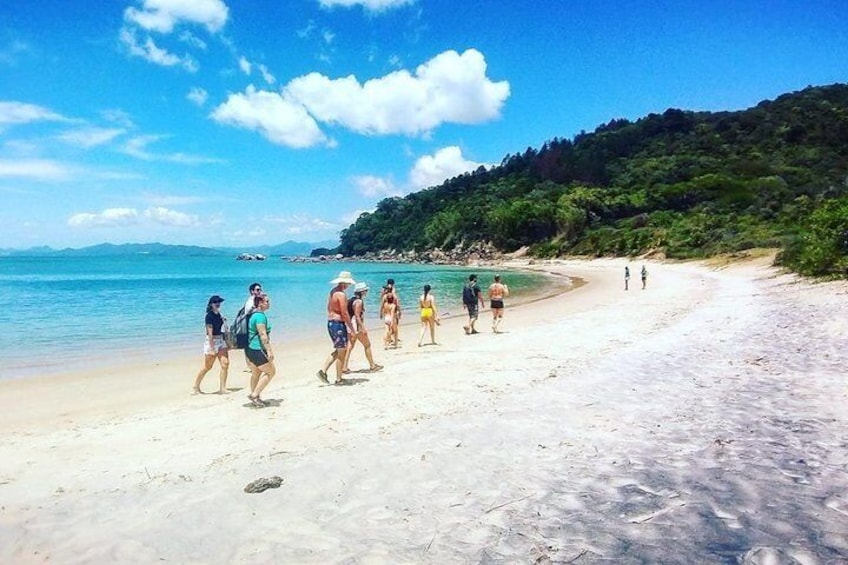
707, 410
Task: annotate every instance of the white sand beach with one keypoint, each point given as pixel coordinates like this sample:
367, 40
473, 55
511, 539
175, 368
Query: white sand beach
703, 420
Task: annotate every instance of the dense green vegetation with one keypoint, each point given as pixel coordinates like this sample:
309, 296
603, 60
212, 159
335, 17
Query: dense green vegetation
689, 184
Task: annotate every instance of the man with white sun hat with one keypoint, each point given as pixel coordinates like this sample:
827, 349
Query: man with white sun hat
339, 326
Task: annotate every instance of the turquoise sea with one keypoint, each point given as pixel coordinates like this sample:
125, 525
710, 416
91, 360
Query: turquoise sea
64, 313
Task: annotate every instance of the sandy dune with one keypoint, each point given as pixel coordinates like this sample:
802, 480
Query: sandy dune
703, 420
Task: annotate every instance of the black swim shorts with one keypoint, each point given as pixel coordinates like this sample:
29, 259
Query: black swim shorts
256, 356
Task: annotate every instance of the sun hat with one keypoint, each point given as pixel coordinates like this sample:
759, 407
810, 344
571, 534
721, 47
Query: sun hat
344, 277
360, 287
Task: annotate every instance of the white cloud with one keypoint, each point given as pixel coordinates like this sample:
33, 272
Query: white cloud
451, 87
35, 169
173, 218
328, 36
274, 116
301, 224
111, 217
162, 15
191, 39
446, 163
244, 65
9, 54
372, 186
197, 96
90, 137
152, 53
137, 147
351, 218
21, 113
266, 75
158, 200
371, 5
120, 217
118, 117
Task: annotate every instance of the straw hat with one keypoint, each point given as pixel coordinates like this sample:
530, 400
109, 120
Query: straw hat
344, 277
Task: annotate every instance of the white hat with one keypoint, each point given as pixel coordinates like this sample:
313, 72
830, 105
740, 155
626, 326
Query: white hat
344, 277
360, 287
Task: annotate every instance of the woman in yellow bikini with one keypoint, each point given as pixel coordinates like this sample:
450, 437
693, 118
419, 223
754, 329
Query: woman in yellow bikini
429, 315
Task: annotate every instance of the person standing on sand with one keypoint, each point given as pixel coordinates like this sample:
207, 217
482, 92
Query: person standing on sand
429, 315
626, 277
356, 308
254, 290
387, 314
338, 326
391, 290
497, 292
644, 277
472, 296
259, 350
214, 346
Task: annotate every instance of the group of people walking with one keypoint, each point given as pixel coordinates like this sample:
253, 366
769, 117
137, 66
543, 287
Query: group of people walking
345, 325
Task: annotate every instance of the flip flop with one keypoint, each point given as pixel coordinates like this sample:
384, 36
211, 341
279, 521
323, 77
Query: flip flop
375, 368
322, 376
256, 401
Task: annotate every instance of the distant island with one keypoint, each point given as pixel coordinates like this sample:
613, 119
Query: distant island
286, 249
679, 184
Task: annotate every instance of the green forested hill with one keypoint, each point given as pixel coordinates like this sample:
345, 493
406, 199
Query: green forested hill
689, 184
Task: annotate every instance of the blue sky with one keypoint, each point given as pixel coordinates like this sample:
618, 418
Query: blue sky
238, 122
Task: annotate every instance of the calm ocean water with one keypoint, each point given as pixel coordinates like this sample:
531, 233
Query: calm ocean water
62, 312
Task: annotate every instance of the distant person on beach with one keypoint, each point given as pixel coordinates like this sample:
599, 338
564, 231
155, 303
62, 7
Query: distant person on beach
258, 351
644, 277
338, 326
214, 347
472, 297
497, 292
429, 315
387, 314
356, 309
626, 277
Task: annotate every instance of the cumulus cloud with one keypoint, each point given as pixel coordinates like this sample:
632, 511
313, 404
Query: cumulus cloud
111, 217
90, 137
21, 113
35, 169
165, 216
163, 15
446, 163
197, 96
451, 87
370, 5
274, 116
372, 186
149, 51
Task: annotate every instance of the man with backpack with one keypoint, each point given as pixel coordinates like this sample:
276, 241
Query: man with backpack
472, 299
243, 318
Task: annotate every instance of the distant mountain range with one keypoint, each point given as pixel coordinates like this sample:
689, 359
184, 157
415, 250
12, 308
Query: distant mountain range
287, 249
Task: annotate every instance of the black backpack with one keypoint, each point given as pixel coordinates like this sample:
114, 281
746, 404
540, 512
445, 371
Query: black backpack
469, 296
240, 329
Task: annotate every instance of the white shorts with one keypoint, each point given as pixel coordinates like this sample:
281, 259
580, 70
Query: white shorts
219, 345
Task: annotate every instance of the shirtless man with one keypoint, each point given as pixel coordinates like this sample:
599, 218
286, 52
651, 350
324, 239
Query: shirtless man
497, 292
338, 326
